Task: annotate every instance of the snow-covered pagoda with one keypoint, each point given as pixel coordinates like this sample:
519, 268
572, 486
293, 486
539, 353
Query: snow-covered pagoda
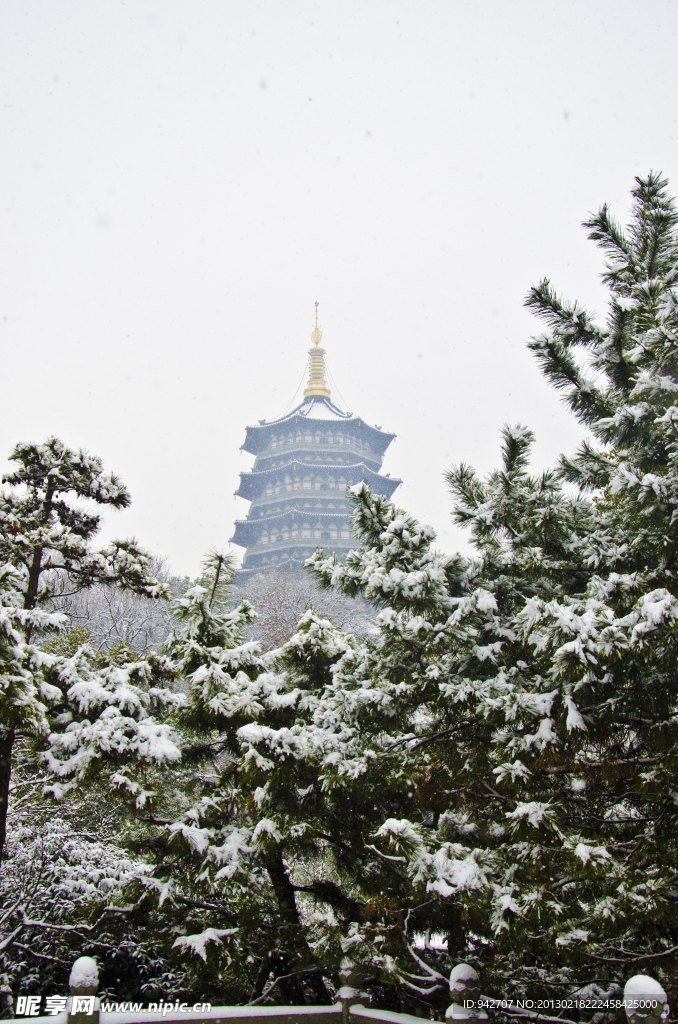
305, 462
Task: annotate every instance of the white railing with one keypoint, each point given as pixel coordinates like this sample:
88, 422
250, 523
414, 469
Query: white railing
644, 1002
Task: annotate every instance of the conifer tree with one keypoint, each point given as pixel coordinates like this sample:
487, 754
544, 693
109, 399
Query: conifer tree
222, 864
449, 671
498, 763
539, 678
46, 540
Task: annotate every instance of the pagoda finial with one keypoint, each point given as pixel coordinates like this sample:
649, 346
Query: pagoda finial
316, 376
317, 333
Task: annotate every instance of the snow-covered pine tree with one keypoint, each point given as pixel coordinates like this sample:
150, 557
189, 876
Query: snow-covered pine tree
242, 869
110, 725
539, 681
46, 538
25, 694
448, 672
616, 649
208, 899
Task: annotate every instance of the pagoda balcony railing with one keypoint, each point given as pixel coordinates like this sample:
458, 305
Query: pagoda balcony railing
354, 449
303, 542
301, 495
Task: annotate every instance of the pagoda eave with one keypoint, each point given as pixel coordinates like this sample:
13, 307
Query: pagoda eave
247, 530
251, 481
326, 415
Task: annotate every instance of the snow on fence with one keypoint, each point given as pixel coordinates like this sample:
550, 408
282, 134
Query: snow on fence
644, 1002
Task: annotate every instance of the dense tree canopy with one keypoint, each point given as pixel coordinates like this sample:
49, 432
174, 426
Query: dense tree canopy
489, 775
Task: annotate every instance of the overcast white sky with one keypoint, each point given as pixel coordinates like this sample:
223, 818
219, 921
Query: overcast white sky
180, 180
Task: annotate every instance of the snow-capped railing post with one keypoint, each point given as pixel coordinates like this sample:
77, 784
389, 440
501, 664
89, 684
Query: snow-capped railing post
645, 1001
83, 1005
465, 993
349, 994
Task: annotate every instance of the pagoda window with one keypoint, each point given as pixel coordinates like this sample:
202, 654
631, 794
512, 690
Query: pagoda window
307, 483
297, 483
306, 531
317, 531
325, 535
269, 490
332, 484
294, 532
286, 534
264, 538
345, 534
334, 533
342, 484
317, 485
276, 489
308, 438
274, 442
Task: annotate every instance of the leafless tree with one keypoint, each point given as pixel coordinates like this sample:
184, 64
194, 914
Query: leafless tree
113, 616
282, 595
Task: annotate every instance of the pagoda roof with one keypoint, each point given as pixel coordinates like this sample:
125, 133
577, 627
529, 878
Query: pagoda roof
246, 528
384, 484
315, 408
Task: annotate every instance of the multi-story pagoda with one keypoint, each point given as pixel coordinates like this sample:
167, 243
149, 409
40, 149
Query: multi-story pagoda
305, 463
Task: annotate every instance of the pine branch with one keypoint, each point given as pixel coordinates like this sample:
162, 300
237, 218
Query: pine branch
571, 324
283, 977
633, 957
603, 228
7, 941
587, 402
590, 469
431, 738
429, 970
75, 928
384, 856
40, 956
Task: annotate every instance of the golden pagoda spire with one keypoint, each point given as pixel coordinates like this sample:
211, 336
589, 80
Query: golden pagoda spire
316, 376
